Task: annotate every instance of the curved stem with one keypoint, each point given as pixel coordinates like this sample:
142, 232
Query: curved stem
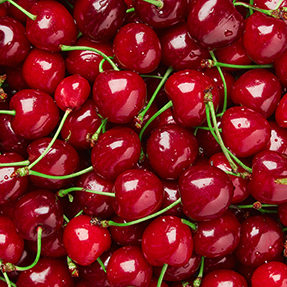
19, 163
28, 14
8, 112
232, 173
225, 65
101, 128
66, 48
64, 192
102, 264
251, 2
101, 65
193, 226
7, 280
264, 11
151, 76
157, 3
197, 281
206, 128
130, 10
163, 270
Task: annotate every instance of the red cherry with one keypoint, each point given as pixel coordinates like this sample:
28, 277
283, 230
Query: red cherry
281, 112
225, 262
15, 79
84, 241
280, 66
270, 5
282, 213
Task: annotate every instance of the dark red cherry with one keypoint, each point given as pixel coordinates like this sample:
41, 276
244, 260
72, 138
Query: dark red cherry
13, 42
259, 90
94, 204
245, 131
180, 51
86, 63
170, 150
172, 12
99, 19
171, 194
261, 240
166, 240
43, 70
187, 89
119, 95
206, 192
219, 21
47, 273
3, 12
138, 193
116, 151
267, 167
154, 282
62, 159
264, 38
11, 187
281, 112
225, 262
280, 66
85, 241
271, 274
19, 15
278, 139
217, 237
137, 48
223, 277
15, 78
53, 26
282, 213
11, 245
128, 267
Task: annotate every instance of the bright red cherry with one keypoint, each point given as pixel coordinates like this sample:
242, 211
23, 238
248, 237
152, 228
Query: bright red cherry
85, 241
281, 112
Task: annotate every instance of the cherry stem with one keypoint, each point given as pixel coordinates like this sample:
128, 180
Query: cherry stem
7, 280
18, 163
3, 95
157, 3
197, 281
66, 218
72, 267
130, 10
164, 108
100, 129
160, 279
281, 181
251, 2
160, 85
64, 192
101, 264
28, 14
232, 173
284, 229
151, 76
206, 128
66, 48
256, 205
8, 112
107, 223
101, 69
193, 226
2, 79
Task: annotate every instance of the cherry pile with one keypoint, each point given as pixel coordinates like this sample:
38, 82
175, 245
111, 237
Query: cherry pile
143, 143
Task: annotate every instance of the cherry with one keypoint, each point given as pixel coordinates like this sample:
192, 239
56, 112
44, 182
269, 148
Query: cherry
271, 274
280, 113
166, 240
116, 151
15, 78
219, 21
99, 19
206, 192
259, 90
278, 139
169, 12
222, 278
280, 65
53, 26
245, 131
119, 95
127, 266
180, 51
47, 273
43, 70
38, 208
187, 89
282, 213
19, 15
261, 240
11, 187
225, 262
138, 194
170, 150
137, 47
13, 43
264, 38
271, 5
84, 241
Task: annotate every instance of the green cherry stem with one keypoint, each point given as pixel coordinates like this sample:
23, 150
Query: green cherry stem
281, 181
66, 48
2, 79
72, 267
28, 14
96, 135
206, 128
8, 112
18, 163
160, 279
101, 69
193, 226
102, 264
7, 280
251, 2
63, 192
66, 218
130, 10
151, 76
284, 229
157, 3
197, 281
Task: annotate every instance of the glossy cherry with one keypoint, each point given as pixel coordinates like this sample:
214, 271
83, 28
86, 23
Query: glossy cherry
281, 112
280, 66
225, 262
278, 139
206, 192
85, 241
270, 5
166, 240
128, 267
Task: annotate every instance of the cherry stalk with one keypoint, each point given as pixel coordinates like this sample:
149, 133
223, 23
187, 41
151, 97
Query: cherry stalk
197, 281
28, 14
64, 192
160, 279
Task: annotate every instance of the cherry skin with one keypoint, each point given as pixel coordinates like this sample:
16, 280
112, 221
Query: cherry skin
187, 89
116, 151
47, 273
281, 112
245, 131
13, 44
225, 262
206, 192
119, 95
219, 21
11, 187
166, 240
264, 38
128, 267
15, 78
138, 194
259, 90
282, 213
38, 208
270, 5
223, 278
180, 51
99, 19
54, 26
280, 66
43, 70
261, 240
85, 241
170, 150
12, 245
137, 48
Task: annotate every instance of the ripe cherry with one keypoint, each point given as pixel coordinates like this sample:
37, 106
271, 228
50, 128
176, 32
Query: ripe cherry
281, 111
280, 66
